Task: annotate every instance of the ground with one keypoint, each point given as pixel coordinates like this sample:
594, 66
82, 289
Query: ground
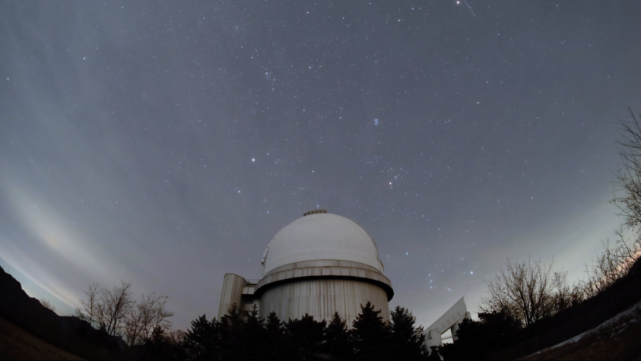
616, 339
17, 344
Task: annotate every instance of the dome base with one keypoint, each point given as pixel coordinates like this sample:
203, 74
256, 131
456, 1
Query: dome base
321, 298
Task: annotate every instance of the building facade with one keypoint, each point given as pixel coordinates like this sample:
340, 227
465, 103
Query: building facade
319, 264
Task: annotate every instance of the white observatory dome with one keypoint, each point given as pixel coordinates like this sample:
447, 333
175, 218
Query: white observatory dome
321, 236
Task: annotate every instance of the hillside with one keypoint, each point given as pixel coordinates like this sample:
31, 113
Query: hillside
17, 344
27, 317
615, 339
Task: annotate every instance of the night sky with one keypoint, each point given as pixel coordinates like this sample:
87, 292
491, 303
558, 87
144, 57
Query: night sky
166, 143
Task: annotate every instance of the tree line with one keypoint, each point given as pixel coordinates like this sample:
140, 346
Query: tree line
234, 337
145, 328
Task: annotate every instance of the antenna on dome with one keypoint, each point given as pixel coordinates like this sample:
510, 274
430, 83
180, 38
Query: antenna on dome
316, 211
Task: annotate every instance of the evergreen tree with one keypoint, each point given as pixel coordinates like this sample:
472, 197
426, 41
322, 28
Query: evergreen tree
274, 327
160, 347
338, 340
232, 327
478, 339
278, 346
253, 336
406, 340
306, 335
434, 355
501, 329
371, 335
202, 341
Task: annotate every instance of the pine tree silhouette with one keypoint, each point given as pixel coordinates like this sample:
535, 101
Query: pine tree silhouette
406, 340
338, 342
371, 335
202, 341
306, 335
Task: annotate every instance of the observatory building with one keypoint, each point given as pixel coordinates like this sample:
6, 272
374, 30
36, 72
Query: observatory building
319, 264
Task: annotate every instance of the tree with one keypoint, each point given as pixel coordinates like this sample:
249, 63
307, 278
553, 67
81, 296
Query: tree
628, 177
614, 262
338, 343
117, 304
566, 295
48, 305
146, 316
274, 327
202, 341
107, 309
406, 341
92, 309
115, 312
161, 345
306, 335
524, 291
277, 340
370, 334
253, 336
434, 354
477, 339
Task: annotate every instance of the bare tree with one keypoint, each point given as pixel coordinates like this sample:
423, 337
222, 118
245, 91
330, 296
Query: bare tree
48, 305
117, 304
119, 315
523, 290
565, 294
614, 262
107, 309
176, 337
91, 309
145, 317
628, 178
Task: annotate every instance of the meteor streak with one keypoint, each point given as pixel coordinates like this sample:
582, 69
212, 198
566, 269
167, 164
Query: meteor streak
469, 7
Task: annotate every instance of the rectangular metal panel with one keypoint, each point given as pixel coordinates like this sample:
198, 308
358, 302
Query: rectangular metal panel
321, 298
231, 293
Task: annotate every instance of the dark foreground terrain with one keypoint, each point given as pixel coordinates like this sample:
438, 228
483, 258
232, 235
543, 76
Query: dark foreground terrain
17, 344
27, 326
29, 331
616, 339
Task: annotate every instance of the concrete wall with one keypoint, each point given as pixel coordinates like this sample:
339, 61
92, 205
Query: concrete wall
321, 298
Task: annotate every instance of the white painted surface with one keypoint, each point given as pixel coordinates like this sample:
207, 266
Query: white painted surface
450, 320
454, 315
320, 298
318, 237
